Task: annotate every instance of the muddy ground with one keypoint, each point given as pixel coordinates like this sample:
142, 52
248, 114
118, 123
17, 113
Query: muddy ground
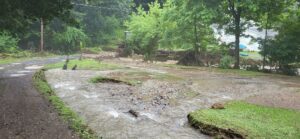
162, 96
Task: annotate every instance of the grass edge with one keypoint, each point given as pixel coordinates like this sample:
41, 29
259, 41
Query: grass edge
73, 120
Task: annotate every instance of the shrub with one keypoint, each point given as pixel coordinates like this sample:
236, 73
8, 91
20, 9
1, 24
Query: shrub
226, 62
8, 44
288, 70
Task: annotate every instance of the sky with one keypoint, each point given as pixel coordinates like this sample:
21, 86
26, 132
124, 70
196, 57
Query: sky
253, 31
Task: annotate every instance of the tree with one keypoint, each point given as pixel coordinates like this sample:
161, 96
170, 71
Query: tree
45, 11
145, 4
285, 48
72, 39
269, 12
234, 15
187, 23
146, 30
102, 20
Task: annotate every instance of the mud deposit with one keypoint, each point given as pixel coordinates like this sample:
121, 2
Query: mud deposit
162, 98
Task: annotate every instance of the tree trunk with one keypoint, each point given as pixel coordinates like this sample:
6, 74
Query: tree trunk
42, 36
237, 41
196, 36
265, 48
265, 42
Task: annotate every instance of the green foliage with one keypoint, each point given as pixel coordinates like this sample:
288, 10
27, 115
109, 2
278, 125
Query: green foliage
145, 29
75, 122
8, 44
226, 62
250, 121
187, 24
284, 49
71, 40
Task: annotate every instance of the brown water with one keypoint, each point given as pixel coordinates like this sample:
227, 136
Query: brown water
162, 104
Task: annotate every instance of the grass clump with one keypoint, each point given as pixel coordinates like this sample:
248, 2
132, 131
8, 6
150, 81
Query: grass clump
74, 121
244, 73
244, 120
85, 64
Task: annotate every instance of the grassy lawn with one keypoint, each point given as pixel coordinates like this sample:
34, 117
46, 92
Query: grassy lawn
12, 60
240, 72
22, 56
253, 55
249, 121
74, 121
219, 70
86, 64
134, 77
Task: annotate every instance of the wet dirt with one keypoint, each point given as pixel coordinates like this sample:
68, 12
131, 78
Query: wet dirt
162, 105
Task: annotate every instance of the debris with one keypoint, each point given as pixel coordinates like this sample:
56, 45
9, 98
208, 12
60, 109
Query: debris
218, 106
134, 113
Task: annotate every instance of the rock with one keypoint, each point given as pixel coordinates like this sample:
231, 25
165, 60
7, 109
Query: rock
134, 113
218, 106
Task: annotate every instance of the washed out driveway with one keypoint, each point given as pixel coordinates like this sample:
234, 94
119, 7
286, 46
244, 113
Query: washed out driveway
162, 97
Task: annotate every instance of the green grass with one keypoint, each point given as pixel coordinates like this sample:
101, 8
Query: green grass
134, 77
92, 50
22, 56
253, 55
86, 64
74, 121
219, 70
12, 60
250, 121
239, 72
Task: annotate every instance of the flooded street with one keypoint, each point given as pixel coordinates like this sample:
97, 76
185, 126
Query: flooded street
162, 97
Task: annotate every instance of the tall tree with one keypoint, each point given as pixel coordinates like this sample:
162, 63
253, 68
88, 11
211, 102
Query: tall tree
268, 17
234, 15
188, 23
45, 11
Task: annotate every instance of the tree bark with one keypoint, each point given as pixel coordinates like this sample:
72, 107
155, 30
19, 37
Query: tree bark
236, 13
196, 36
42, 36
265, 41
265, 47
237, 38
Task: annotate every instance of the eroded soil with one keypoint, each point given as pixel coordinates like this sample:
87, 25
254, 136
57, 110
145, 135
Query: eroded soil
162, 96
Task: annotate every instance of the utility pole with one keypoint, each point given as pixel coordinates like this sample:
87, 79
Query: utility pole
42, 36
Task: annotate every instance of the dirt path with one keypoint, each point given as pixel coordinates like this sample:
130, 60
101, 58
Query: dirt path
24, 113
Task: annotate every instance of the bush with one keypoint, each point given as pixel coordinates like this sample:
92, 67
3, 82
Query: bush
288, 70
8, 44
226, 62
